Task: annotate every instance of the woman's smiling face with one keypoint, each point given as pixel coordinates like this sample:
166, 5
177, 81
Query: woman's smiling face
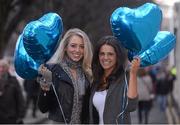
107, 58
75, 48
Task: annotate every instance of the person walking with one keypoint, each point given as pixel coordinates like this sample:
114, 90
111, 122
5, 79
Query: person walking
12, 102
145, 92
31, 87
162, 89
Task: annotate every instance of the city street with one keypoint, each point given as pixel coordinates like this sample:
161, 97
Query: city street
141, 37
40, 118
155, 117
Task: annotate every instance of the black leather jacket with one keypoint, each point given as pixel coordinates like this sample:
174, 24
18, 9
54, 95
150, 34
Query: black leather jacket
65, 91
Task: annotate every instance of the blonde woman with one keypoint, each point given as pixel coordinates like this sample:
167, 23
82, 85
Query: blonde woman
65, 81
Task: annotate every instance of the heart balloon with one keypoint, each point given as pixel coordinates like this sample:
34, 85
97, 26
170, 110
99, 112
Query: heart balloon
164, 42
24, 65
136, 28
41, 37
37, 44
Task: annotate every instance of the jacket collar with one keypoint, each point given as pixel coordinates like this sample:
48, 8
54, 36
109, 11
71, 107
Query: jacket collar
59, 72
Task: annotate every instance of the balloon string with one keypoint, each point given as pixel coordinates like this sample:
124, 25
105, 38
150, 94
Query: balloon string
124, 99
59, 104
57, 97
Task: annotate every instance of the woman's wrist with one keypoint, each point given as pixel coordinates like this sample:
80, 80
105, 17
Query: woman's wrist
133, 73
44, 92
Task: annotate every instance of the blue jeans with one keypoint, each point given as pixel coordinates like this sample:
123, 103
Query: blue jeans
162, 100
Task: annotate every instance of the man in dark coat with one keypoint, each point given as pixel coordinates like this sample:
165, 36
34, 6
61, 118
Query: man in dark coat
12, 104
32, 91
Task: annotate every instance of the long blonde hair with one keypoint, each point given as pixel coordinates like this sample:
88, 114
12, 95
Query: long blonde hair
87, 58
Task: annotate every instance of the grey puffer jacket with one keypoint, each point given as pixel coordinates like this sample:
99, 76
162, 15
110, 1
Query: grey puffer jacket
114, 103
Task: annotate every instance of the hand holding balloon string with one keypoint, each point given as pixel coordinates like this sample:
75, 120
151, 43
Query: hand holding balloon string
150, 44
135, 64
44, 78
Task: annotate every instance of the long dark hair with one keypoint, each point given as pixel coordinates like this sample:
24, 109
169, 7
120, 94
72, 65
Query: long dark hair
121, 54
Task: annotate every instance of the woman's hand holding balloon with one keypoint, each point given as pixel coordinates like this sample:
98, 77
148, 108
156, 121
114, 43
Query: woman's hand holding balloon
45, 78
141, 36
135, 64
132, 90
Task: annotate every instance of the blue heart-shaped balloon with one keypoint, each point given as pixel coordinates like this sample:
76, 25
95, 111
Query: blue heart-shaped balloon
164, 42
41, 37
136, 28
24, 65
37, 44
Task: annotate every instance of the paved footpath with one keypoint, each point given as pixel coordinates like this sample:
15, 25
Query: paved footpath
155, 117
40, 118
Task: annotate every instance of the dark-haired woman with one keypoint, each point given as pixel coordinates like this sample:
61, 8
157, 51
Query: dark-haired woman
113, 96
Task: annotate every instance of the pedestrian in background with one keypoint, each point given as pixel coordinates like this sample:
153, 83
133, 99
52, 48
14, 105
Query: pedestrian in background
12, 103
171, 78
145, 94
31, 88
162, 89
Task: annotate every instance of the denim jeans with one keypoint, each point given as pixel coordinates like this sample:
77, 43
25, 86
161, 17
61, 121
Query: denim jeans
162, 100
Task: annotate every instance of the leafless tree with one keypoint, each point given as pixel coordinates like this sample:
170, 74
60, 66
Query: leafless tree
91, 16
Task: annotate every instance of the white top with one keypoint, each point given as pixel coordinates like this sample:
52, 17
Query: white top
99, 102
